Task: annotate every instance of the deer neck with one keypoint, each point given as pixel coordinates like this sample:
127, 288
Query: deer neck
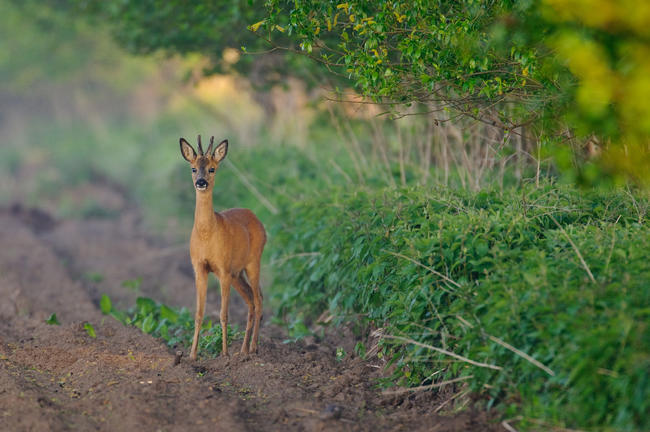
204, 220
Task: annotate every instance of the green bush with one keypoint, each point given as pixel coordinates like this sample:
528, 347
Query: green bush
494, 278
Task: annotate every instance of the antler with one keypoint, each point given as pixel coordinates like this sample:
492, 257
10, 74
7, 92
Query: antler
209, 152
200, 148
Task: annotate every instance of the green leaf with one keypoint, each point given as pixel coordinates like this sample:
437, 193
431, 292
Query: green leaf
120, 316
169, 314
256, 26
148, 324
145, 305
360, 349
105, 304
52, 320
164, 332
90, 330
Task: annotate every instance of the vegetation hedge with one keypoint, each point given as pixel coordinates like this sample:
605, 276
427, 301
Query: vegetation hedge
495, 278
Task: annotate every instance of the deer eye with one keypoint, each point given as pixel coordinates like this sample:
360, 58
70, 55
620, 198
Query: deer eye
193, 170
211, 170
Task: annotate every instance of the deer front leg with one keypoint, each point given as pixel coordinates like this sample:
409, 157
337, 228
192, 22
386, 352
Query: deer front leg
225, 282
201, 279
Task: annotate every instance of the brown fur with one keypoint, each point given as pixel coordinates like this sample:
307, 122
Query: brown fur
228, 244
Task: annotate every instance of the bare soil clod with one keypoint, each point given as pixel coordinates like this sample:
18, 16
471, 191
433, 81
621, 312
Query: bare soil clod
177, 358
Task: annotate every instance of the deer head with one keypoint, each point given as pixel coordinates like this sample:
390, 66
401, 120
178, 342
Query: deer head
205, 164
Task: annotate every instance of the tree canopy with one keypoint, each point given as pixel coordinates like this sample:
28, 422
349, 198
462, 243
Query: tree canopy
444, 53
577, 65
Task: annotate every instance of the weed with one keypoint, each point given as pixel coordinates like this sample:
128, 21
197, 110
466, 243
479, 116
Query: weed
90, 330
52, 320
360, 349
174, 326
105, 304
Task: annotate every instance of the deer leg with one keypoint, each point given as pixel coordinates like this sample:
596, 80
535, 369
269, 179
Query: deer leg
253, 273
245, 291
225, 281
201, 280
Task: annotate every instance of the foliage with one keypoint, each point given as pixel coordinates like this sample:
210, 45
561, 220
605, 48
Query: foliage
105, 304
376, 258
483, 275
90, 330
17, 69
605, 44
442, 53
147, 26
42, 46
52, 320
175, 327
216, 30
565, 69
548, 64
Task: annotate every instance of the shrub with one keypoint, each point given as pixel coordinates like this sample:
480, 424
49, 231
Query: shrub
494, 278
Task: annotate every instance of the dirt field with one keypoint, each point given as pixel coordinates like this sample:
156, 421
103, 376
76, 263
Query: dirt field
55, 378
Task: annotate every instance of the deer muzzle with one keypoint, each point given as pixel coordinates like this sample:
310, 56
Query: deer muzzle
201, 184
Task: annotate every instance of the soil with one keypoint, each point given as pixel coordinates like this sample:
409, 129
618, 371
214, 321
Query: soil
57, 377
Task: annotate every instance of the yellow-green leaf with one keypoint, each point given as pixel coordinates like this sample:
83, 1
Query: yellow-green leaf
256, 26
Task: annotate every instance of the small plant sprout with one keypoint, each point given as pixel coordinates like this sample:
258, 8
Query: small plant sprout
90, 330
132, 284
105, 304
52, 320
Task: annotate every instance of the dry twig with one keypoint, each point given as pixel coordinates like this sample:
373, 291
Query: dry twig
521, 354
445, 352
425, 387
435, 272
575, 248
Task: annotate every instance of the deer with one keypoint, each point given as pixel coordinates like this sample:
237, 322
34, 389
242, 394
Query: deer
227, 243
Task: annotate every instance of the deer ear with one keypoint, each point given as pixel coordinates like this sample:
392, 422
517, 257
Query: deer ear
220, 151
187, 151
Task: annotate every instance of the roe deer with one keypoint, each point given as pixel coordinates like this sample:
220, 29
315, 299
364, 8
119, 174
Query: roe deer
228, 243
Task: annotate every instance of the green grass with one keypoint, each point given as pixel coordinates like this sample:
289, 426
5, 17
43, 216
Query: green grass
493, 278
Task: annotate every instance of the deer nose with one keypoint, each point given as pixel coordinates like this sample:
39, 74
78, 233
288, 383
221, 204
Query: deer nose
201, 184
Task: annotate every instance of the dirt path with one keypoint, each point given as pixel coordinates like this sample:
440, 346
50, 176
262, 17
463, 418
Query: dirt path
59, 378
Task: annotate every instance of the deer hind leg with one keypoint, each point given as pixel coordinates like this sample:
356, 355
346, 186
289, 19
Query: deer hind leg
253, 273
246, 292
224, 280
201, 281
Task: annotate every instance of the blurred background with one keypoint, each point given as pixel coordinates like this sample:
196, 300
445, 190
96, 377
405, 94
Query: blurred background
88, 126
